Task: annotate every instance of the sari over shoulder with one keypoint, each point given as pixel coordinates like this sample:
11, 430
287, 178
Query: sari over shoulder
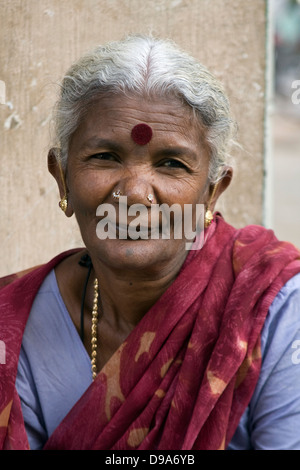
184, 376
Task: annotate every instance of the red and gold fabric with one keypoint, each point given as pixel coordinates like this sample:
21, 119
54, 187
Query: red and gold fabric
184, 376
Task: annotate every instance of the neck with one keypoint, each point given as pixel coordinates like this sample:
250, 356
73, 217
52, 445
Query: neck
126, 296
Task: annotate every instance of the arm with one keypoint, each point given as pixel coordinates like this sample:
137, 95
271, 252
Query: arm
272, 420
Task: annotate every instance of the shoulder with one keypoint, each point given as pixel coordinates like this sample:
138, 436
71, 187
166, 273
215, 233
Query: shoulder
6, 280
35, 272
282, 324
275, 407
260, 241
273, 414
17, 296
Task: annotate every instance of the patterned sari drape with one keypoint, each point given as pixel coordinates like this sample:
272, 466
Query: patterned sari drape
184, 376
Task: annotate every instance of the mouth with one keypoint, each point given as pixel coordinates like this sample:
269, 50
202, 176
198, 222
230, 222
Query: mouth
136, 231
154, 225
111, 229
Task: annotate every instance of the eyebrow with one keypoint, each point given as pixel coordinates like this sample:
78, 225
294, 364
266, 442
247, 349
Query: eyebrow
178, 152
95, 142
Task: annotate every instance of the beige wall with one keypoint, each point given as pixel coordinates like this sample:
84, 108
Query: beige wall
39, 39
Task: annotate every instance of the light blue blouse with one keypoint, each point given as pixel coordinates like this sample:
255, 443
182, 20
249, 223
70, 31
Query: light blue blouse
55, 370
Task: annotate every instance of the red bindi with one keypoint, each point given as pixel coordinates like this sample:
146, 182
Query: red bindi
141, 134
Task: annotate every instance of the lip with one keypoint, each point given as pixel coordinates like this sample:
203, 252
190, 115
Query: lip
130, 230
124, 230
139, 229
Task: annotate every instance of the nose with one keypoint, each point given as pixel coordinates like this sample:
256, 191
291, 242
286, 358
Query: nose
138, 189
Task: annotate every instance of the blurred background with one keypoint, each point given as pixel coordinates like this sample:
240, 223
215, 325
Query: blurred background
285, 120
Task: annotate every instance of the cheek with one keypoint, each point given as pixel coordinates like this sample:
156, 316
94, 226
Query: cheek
86, 190
186, 190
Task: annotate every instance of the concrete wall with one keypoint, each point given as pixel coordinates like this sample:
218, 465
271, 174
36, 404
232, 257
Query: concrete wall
39, 39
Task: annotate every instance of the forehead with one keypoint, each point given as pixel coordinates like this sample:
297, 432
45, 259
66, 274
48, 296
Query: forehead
115, 116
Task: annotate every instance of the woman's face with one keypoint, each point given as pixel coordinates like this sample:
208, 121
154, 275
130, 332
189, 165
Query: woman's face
104, 158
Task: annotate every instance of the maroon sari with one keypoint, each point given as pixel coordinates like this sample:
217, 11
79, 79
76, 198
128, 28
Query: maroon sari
184, 376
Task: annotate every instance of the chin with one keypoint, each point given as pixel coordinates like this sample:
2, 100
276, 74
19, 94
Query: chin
151, 255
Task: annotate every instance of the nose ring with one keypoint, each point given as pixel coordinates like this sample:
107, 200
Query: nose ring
116, 194
150, 198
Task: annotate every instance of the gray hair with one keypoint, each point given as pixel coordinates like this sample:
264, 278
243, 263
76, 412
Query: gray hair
145, 65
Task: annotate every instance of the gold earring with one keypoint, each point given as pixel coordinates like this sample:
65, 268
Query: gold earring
208, 218
63, 204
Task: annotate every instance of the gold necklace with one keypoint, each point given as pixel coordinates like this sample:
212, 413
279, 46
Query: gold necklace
94, 329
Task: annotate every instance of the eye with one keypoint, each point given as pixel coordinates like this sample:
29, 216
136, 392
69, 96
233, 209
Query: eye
173, 163
104, 156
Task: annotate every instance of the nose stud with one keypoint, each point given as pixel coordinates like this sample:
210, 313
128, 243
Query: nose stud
116, 194
150, 198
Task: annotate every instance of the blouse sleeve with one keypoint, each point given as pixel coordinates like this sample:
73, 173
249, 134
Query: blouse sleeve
272, 420
32, 414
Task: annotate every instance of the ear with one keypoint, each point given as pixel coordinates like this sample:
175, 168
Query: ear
56, 170
217, 189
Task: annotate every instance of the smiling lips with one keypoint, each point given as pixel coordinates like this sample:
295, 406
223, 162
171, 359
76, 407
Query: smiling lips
118, 229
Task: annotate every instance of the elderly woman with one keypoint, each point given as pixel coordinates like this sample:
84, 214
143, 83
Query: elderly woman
138, 342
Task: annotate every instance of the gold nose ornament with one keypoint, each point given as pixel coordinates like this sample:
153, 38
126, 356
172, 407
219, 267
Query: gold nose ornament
150, 198
116, 194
